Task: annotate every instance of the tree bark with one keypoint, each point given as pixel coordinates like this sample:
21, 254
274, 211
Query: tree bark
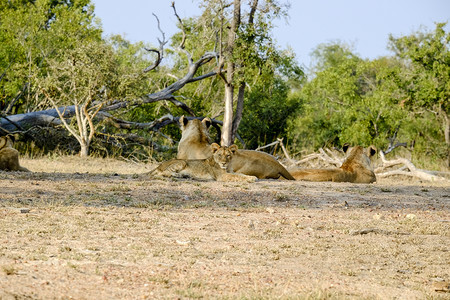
239, 110
227, 129
84, 152
447, 136
241, 90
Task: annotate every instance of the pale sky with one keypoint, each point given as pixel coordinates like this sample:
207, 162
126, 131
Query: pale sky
364, 24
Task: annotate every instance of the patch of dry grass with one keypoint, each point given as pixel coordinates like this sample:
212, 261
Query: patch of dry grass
94, 230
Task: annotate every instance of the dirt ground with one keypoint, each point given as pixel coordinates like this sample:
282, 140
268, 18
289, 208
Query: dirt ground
100, 229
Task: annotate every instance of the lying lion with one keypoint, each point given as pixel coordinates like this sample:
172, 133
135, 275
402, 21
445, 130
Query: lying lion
9, 157
257, 163
195, 144
356, 168
212, 168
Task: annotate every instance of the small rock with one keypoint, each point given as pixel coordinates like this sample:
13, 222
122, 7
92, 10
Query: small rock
183, 243
410, 216
251, 225
378, 217
270, 210
24, 210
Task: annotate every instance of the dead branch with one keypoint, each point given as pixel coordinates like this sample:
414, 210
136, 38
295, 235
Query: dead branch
280, 142
166, 93
183, 39
267, 146
159, 52
406, 165
290, 160
11, 104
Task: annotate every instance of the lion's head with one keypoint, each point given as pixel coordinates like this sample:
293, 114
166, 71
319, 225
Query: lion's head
359, 156
223, 155
194, 142
195, 129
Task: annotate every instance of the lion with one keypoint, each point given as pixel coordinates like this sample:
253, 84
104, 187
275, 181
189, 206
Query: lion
195, 144
195, 141
257, 163
356, 168
212, 168
9, 157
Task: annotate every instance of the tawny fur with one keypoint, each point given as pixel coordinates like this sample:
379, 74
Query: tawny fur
195, 141
257, 163
9, 157
195, 144
212, 168
356, 168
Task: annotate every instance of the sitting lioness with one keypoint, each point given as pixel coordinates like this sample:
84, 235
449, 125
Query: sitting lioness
356, 168
9, 157
212, 168
195, 144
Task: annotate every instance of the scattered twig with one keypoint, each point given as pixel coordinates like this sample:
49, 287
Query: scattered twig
377, 231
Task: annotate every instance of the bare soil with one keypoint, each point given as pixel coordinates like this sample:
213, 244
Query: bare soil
101, 229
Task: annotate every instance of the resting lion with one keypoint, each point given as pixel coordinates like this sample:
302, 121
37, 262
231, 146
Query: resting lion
356, 168
195, 144
212, 168
257, 163
9, 157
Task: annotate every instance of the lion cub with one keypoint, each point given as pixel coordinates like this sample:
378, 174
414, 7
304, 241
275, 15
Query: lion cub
212, 168
356, 168
9, 157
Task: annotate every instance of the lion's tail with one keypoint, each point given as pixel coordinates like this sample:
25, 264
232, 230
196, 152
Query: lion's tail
285, 173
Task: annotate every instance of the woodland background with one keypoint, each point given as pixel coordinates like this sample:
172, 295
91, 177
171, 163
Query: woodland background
127, 97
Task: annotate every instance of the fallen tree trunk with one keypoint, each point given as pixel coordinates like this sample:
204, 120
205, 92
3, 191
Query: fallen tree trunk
36, 118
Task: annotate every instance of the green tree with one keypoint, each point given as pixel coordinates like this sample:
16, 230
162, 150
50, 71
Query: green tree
247, 57
425, 79
349, 100
85, 77
32, 32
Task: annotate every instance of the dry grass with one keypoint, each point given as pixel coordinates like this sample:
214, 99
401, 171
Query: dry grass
96, 230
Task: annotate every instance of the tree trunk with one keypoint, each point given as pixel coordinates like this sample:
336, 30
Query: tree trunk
227, 129
228, 116
447, 136
84, 152
239, 110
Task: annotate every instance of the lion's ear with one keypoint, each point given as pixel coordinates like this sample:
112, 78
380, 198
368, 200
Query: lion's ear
207, 122
233, 148
183, 121
346, 147
2, 141
215, 147
372, 151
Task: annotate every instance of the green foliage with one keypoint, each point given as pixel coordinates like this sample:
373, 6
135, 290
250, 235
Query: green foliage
350, 100
31, 32
268, 107
57, 46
